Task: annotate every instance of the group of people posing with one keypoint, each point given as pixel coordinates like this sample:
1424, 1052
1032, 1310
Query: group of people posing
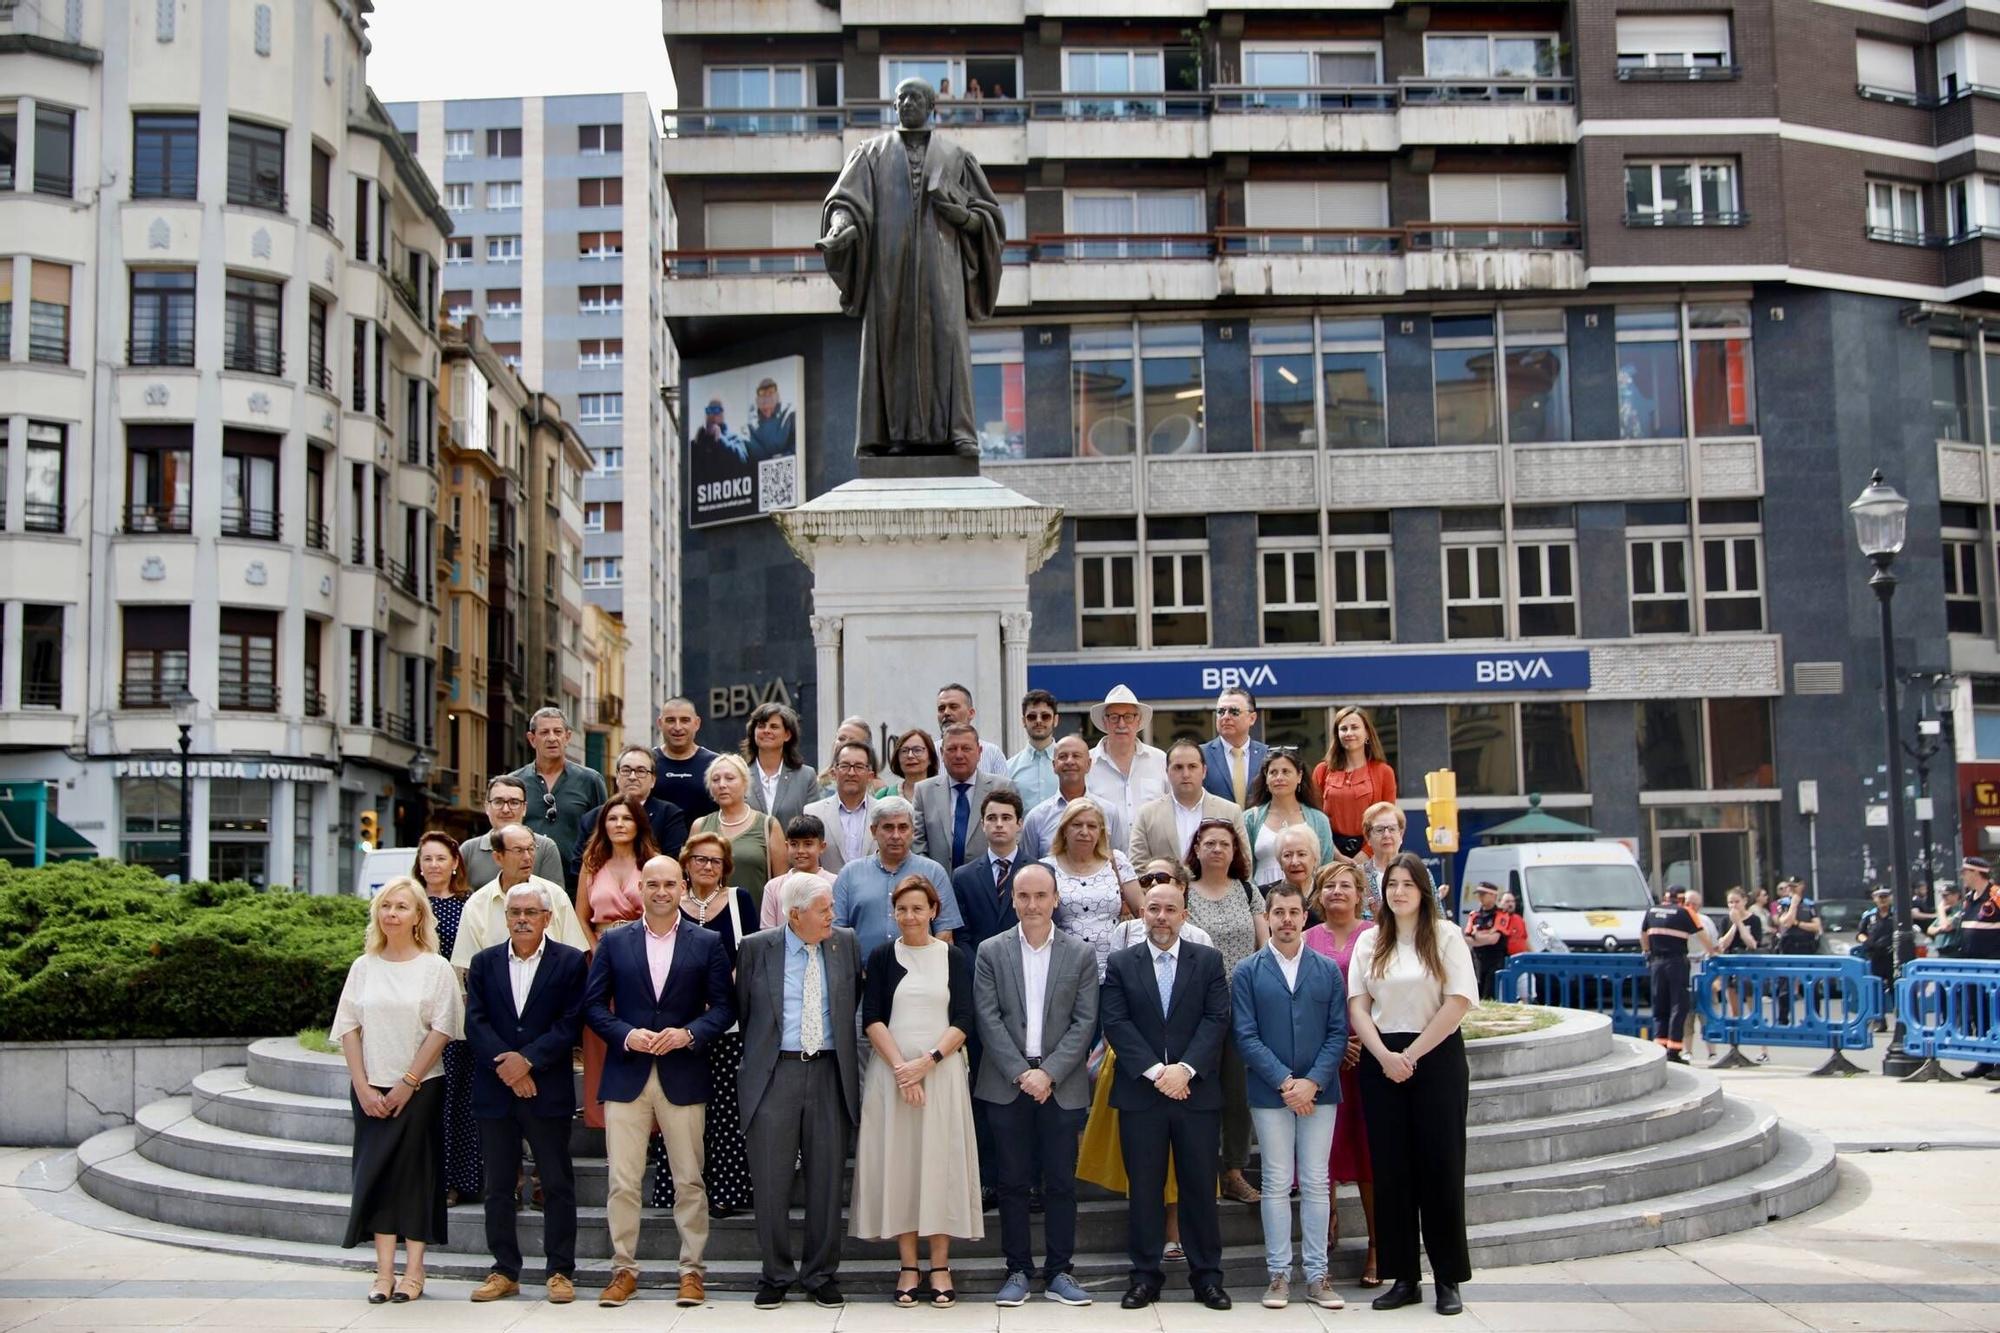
987, 978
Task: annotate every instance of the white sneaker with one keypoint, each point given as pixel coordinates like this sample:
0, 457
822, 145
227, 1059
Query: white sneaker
1279, 1294
1321, 1293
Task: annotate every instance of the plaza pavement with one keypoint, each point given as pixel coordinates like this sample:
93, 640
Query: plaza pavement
1911, 1240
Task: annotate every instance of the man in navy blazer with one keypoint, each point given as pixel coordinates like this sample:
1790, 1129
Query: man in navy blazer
523, 1011
1235, 718
1165, 1021
659, 993
1290, 1007
984, 886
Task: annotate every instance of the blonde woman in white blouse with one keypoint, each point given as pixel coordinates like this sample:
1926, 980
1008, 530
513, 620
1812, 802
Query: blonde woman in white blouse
400, 1005
1410, 983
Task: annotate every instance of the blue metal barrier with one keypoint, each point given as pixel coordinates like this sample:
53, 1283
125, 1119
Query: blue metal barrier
1950, 1009
1823, 1001
1613, 984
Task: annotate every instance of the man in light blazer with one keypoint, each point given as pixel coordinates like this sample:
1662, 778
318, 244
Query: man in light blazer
798, 1089
1233, 749
845, 814
947, 834
1165, 825
1035, 989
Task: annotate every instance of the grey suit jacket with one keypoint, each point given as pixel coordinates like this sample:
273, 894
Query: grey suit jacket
796, 786
933, 805
760, 1010
1069, 1018
1154, 833
827, 812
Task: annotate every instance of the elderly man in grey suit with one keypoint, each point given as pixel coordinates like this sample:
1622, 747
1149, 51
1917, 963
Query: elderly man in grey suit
846, 813
798, 1089
1035, 990
948, 804
1165, 825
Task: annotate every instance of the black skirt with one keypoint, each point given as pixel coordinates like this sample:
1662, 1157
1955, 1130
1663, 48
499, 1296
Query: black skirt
399, 1170
1349, 845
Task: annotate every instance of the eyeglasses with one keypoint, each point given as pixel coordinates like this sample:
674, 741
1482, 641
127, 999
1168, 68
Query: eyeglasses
850, 768
1121, 719
1152, 879
634, 771
507, 802
1377, 829
704, 860
1230, 711
914, 749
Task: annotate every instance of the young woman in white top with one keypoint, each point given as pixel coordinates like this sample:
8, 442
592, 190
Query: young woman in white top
1410, 984
400, 1005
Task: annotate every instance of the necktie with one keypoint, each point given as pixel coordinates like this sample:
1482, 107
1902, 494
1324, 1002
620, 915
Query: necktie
1000, 873
1165, 964
961, 821
1236, 773
812, 1028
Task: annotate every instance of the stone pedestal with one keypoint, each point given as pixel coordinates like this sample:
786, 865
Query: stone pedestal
919, 581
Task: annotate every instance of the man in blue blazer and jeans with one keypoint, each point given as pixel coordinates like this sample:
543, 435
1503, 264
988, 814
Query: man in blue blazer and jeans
1289, 1005
659, 993
523, 1012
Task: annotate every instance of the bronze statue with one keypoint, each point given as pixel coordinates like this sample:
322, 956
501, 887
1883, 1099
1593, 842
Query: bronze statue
913, 236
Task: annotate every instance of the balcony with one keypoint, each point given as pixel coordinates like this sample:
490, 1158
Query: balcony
246, 696
176, 349
1673, 217
397, 726
142, 517
1308, 119
788, 139
148, 692
322, 217
1923, 240
1272, 262
315, 703
1683, 74
265, 525
1497, 111
1487, 257
605, 711
254, 359
41, 694
400, 576
258, 194
357, 550
994, 130
41, 516
1118, 126
447, 667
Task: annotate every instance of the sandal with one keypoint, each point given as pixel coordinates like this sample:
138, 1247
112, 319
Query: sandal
1174, 1252
1368, 1277
907, 1296
378, 1291
942, 1298
408, 1288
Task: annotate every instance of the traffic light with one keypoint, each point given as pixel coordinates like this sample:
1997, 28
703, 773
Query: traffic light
371, 830
1441, 811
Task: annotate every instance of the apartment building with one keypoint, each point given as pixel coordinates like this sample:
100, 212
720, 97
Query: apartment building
1503, 367
559, 224
219, 412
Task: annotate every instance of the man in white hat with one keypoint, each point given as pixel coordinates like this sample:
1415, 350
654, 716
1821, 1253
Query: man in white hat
1125, 772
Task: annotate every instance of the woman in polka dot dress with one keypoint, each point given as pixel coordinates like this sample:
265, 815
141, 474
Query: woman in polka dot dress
442, 872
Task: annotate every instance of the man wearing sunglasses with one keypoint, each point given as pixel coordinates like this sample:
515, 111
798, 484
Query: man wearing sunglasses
1234, 757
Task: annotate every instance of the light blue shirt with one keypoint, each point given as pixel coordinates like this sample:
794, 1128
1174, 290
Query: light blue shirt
795, 995
1039, 825
861, 899
1033, 774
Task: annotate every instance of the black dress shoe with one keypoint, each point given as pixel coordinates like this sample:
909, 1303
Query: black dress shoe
828, 1294
1138, 1296
770, 1295
989, 1198
1400, 1293
1447, 1297
1214, 1297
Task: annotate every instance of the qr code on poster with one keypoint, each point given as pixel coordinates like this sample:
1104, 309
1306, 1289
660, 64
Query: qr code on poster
777, 484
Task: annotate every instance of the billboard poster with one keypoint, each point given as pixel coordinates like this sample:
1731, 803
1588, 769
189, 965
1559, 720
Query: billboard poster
746, 441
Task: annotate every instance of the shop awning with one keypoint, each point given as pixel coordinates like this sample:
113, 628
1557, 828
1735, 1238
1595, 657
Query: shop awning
1537, 823
17, 837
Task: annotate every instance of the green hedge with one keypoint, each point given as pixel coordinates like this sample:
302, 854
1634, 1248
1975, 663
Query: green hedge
96, 950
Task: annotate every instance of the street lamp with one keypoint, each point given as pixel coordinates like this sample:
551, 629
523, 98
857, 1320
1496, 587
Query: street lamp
187, 709
1881, 519
420, 776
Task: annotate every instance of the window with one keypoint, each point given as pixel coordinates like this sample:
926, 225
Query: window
1692, 745
1681, 194
256, 165
1555, 747
158, 477
1481, 737
600, 353
457, 199
503, 143
503, 194
1116, 395
1951, 392
1177, 586
246, 676
503, 303
1732, 597
761, 226
457, 307
593, 409
509, 354
55, 151
315, 533
1886, 71
1490, 55
1126, 71
1107, 595
1650, 392
1474, 600
593, 518
1964, 608
600, 244
999, 393
239, 826
457, 145
1740, 751
1657, 549
601, 300
1316, 205
600, 192
48, 313
1896, 212
1545, 589
1293, 67
164, 155
1288, 577
503, 249
611, 458
597, 140
1282, 411
1535, 376
1678, 45
1502, 749
458, 249
1724, 385
250, 484
1362, 611
603, 571
155, 642
41, 656
9, 119
162, 317
1965, 62
43, 506
1134, 223
1490, 197
1462, 355
250, 325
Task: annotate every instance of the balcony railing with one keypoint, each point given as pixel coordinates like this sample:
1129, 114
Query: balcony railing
397, 725
1090, 248
1314, 99
1307, 241
150, 693
400, 575
1679, 73
254, 359
1676, 218
41, 516
322, 217
1493, 236
246, 696
319, 376
318, 536
879, 115
257, 524
257, 194
41, 694
357, 550
1544, 91
753, 120
606, 710
1896, 236
174, 350
142, 517
315, 704
737, 263
1118, 106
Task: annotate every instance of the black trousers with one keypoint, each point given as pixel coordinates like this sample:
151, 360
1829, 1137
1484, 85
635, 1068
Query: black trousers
1488, 964
500, 1144
1034, 1142
1416, 1143
1668, 975
1144, 1140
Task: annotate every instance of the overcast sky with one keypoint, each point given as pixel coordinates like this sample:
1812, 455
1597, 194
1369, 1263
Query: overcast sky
447, 49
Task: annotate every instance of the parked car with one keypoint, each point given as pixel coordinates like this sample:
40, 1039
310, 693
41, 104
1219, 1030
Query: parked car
1581, 897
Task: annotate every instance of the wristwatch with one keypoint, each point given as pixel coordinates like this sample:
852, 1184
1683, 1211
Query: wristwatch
937, 1056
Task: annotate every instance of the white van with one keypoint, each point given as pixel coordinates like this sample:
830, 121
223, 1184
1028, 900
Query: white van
1581, 897
380, 866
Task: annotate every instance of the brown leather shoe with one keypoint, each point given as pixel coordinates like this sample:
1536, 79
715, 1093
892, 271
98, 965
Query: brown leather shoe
561, 1290
692, 1292
624, 1282
497, 1286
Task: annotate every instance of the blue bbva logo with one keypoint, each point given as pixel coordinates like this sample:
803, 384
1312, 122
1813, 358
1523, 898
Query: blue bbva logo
1238, 677
1509, 670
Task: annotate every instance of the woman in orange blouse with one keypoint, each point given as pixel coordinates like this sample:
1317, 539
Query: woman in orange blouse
1354, 775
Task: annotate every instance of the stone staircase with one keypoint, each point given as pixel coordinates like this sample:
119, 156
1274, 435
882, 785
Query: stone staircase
1580, 1143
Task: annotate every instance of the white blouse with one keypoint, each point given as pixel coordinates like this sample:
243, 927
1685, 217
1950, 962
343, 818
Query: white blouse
396, 1006
1406, 997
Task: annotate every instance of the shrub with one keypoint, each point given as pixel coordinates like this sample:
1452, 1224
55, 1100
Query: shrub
104, 951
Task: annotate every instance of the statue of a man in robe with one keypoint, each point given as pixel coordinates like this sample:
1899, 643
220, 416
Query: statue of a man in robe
913, 236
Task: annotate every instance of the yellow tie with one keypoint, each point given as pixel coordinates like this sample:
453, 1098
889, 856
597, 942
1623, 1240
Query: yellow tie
1236, 773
